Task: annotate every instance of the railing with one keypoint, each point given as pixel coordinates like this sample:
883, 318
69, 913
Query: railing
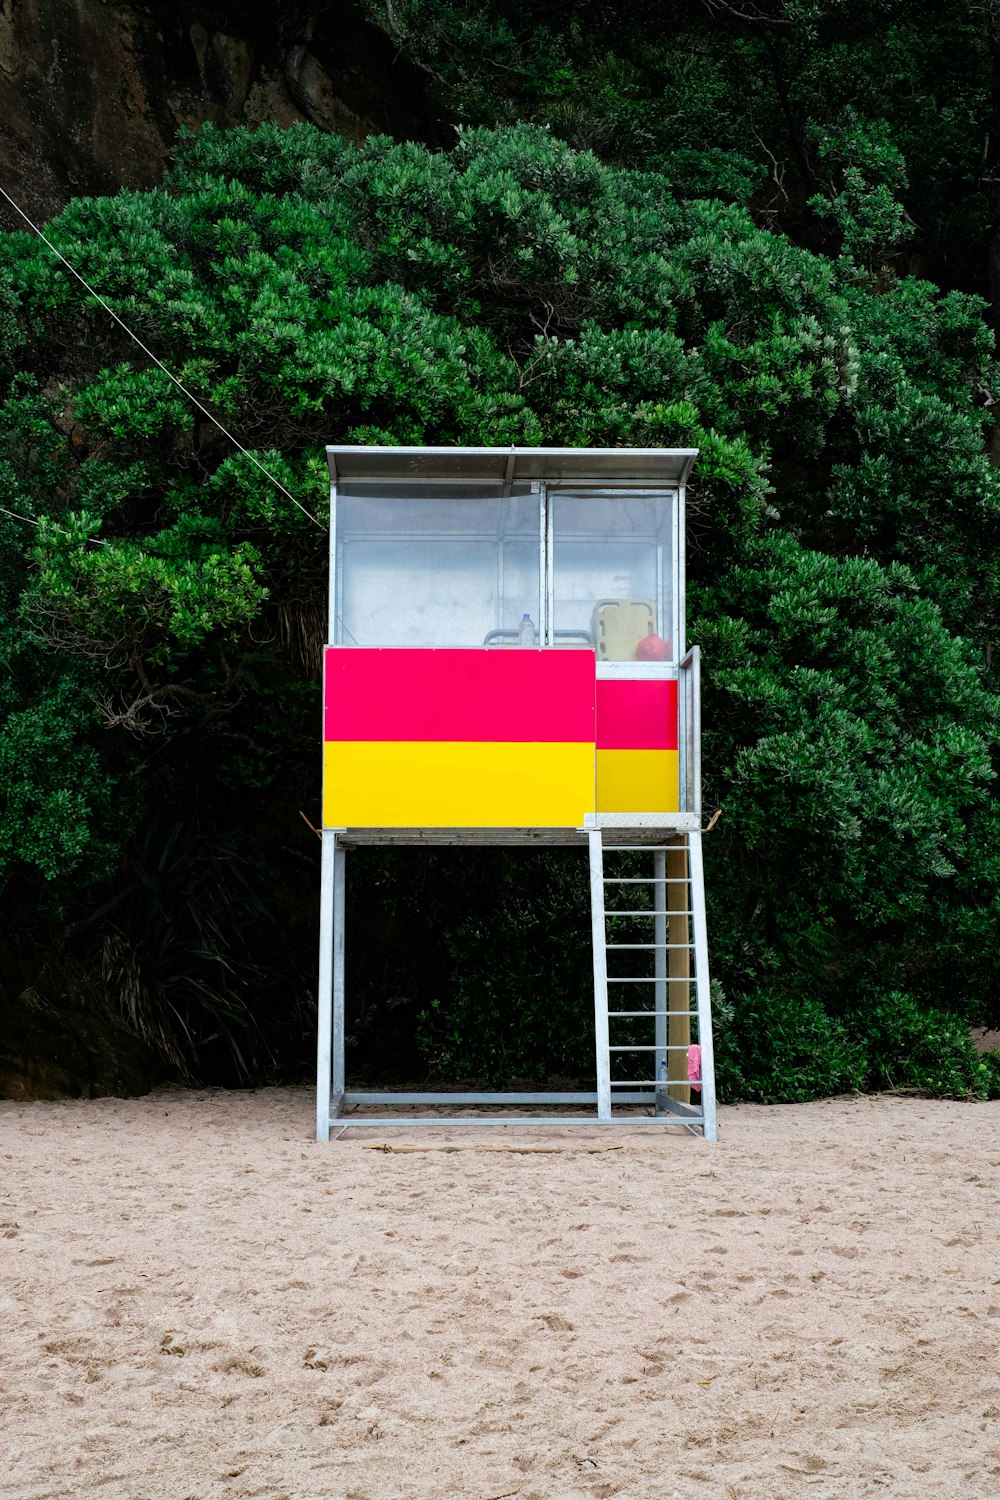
503, 637
689, 736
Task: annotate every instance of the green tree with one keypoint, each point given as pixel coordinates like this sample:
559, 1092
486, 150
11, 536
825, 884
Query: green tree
163, 603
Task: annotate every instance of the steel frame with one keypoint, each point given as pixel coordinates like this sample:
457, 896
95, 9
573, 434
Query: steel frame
333, 1096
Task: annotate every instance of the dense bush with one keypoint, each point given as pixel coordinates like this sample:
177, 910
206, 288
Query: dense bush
160, 622
909, 1046
843, 121
775, 1051
990, 1063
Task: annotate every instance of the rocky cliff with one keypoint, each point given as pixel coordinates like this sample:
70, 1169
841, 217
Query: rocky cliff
93, 92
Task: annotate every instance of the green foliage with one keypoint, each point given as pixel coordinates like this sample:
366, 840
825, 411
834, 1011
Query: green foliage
12, 336
785, 1048
161, 604
516, 1007
853, 126
134, 602
910, 1047
58, 810
180, 957
781, 1051
990, 1066
866, 181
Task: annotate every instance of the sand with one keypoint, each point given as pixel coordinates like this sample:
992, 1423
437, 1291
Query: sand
196, 1300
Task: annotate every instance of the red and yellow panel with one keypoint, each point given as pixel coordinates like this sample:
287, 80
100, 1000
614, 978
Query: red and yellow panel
637, 763
491, 739
458, 739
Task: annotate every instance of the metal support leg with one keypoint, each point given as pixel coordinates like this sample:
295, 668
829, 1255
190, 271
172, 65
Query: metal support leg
599, 939
660, 971
703, 990
339, 888
324, 994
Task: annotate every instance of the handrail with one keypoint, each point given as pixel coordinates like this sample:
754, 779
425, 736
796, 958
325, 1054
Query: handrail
691, 779
560, 635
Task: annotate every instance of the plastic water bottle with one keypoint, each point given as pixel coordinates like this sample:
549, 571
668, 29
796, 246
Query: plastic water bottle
526, 631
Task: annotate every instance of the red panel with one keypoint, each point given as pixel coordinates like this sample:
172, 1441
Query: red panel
518, 696
636, 714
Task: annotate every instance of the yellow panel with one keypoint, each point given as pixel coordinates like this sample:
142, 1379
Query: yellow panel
456, 784
637, 781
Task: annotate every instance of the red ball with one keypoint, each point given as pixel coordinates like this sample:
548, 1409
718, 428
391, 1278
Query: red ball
652, 647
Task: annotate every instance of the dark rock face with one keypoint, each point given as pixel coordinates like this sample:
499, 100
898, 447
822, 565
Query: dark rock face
92, 92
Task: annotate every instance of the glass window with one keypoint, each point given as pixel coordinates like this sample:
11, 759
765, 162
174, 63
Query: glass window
612, 584
456, 568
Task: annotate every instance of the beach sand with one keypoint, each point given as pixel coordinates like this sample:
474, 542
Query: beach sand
197, 1300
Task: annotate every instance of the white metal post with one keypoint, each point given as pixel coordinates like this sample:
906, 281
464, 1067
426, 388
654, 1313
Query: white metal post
324, 993
548, 565
680, 581
702, 987
696, 728
334, 605
339, 889
660, 1002
602, 1039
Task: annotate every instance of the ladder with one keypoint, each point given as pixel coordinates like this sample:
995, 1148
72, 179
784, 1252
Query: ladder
650, 950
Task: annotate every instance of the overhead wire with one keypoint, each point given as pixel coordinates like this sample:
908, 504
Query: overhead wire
33, 521
159, 362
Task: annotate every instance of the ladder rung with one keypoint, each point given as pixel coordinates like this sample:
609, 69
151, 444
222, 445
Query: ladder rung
677, 913
645, 879
645, 848
659, 1083
693, 1014
645, 946
652, 979
676, 1047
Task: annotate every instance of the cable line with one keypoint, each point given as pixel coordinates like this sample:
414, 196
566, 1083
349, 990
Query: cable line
170, 375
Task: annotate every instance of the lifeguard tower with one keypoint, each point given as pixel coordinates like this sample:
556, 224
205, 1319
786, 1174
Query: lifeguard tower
507, 665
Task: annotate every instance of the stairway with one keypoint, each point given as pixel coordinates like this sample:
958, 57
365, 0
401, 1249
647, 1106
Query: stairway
650, 960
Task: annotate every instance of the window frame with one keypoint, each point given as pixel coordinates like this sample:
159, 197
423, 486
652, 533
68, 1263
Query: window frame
668, 566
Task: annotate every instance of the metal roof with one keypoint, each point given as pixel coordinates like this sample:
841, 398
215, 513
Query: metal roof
650, 466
